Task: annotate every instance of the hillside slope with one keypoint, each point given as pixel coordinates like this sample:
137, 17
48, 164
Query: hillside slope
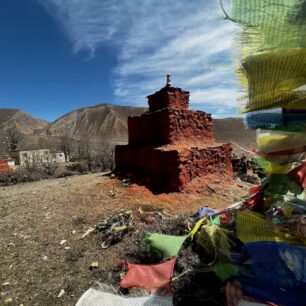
103, 121
19, 121
233, 130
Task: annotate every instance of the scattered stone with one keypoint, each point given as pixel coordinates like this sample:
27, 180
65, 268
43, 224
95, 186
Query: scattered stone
94, 265
45, 258
6, 284
210, 189
106, 173
63, 242
62, 292
8, 301
67, 248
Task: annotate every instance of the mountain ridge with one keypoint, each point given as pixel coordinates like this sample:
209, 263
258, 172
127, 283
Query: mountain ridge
104, 122
19, 121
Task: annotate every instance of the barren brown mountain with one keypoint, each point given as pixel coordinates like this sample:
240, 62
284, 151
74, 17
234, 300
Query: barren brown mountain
18, 121
105, 122
233, 130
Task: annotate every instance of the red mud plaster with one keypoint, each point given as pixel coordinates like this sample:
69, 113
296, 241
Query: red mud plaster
152, 167
170, 126
4, 167
172, 170
199, 162
170, 146
169, 97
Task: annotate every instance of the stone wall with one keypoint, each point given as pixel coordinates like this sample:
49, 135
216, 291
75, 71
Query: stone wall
169, 97
170, 126
190, 126
199, 162
171, 170
152, 167
149, 129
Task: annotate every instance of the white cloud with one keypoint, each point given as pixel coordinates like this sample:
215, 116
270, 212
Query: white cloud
152, 38
214, 97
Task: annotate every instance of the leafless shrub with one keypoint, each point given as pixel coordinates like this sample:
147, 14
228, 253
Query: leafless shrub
50, 167
12, 139
66, 144
103, 155
59, 173
99, 155
80, 167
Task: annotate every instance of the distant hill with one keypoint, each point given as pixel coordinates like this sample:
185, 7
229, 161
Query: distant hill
233, 130
19, 121
104, 122
18, 128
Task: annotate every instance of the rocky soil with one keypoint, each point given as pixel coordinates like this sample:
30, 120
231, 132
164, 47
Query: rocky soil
41, 247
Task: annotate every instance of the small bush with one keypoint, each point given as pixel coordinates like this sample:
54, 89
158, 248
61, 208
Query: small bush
21, 176
80, 167
59, 173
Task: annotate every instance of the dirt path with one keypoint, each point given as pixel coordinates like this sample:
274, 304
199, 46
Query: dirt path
36, 217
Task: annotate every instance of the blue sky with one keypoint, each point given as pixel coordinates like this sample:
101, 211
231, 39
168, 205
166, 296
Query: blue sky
59, 55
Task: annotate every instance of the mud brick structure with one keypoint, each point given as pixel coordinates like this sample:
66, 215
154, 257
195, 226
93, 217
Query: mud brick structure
170, 145
4, 167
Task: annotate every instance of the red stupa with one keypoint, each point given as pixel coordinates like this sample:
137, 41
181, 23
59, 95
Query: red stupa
170, 145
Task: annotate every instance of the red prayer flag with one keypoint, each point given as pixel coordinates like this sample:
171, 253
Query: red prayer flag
300, 174
149, 276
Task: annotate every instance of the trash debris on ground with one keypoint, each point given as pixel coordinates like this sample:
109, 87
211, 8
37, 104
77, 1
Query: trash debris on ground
90, 230
115, 227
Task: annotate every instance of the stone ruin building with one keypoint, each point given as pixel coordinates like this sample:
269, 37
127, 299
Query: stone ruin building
170, 146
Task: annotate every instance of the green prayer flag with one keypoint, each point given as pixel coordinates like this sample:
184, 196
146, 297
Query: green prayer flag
225, 270
166, 246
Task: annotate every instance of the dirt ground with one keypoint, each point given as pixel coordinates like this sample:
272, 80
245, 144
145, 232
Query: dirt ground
36, 217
